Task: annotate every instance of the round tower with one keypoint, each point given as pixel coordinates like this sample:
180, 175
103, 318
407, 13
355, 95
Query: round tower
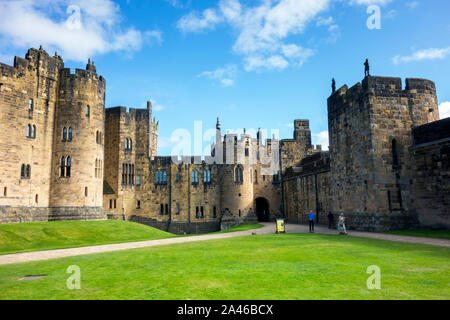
78, 152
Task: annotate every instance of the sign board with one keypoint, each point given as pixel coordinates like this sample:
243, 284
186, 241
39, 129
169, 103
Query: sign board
280, 226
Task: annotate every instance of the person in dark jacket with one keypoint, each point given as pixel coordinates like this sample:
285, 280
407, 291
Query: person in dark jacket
330, 220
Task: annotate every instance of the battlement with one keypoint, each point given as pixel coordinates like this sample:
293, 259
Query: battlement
301, 124
81, 74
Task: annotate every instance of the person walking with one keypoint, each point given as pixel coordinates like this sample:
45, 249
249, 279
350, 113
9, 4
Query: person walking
341, 224
311, 219
330, 220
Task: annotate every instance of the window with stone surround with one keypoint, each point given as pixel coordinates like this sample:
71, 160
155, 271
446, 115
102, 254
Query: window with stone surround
87, 111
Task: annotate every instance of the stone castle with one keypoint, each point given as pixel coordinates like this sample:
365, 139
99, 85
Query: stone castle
64, 156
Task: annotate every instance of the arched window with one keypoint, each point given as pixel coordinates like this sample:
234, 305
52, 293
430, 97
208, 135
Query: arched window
63, 167
193, 177
22, 171
30, 105
130, 144
157, 177
70, 134
64, 136
162, 209
238, 175
255, 177
394, 153
97, 138
33, 131
28, 171
29, 131
164, 176
87, 111
196, 176
209, 176
68, 167
205, 176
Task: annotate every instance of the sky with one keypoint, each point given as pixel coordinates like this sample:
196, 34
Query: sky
254, 63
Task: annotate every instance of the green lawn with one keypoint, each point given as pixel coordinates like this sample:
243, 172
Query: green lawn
37, 236
242, 227
440, 234
286, 266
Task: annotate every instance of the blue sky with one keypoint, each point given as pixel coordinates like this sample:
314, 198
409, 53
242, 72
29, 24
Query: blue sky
255, 63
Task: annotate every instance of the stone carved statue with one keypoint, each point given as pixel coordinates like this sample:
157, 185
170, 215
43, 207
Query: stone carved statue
366, 68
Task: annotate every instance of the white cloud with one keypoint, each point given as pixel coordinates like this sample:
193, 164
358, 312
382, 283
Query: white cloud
77, 29
225, 76
370, 2
261, 30
193, 23
426, 54
412, 4
322, 139
167, 142
444, 110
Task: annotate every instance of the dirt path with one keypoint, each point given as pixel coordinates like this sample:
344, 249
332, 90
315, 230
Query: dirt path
267, 229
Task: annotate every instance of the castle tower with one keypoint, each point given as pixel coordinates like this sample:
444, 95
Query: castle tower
78, 153
370, 131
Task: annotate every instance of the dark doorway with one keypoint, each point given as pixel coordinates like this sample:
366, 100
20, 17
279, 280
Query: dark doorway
262, 210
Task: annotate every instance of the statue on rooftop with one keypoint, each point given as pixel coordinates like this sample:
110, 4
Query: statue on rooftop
367, 68
333, 85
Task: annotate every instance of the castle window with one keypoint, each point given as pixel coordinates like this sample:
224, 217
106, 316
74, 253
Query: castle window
87, 111
138, 205
85, 191
110, 203
124, 174
28, 172
70, 134
64, 136
394, 154
246, 152
202, 214
214, 212
176, 177
164, 177
22, 171
63, 167
162, 209
30, 105
276, 177
157, 177
207, 176
33, 132
196, 212
138, 180
177, 211
238, 175
29, 131
167, 209
194, 177
256, 177
115, 203
36, 198
5, 191
68, 166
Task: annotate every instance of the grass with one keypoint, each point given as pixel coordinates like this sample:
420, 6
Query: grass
286, 266
69, 234
439, 234
242, 227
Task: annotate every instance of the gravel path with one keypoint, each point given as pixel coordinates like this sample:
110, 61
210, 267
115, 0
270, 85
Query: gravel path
267, 229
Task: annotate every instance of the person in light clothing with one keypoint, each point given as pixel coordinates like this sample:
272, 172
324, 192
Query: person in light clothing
341, 224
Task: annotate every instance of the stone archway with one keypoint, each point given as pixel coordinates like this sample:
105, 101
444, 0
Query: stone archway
262, 209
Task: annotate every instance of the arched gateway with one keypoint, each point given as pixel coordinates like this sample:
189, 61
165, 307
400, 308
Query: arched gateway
262, 209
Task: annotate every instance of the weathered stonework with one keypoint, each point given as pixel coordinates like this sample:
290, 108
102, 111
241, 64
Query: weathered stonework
38, 99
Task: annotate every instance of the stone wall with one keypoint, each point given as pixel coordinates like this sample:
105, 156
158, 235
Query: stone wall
306, 188
370, 131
